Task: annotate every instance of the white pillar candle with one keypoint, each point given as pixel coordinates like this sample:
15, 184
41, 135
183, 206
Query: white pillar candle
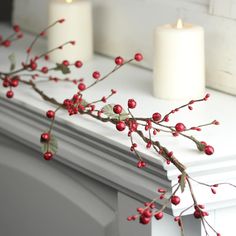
179, 62
77, 27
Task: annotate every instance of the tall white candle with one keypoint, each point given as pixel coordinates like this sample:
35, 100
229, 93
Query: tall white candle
77, 27
179, 62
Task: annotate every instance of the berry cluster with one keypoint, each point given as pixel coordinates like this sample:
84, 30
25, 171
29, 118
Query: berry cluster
145, 128
10, 83
153, 125
150, 210
17, 34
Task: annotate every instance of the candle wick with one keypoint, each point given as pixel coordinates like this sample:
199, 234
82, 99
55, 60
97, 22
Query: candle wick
179, 24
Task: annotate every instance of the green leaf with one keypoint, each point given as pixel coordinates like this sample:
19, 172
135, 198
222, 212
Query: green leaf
12, 59
84, 103
51, 146
108, 111
200, 146
64, 69
124, 116
183, 181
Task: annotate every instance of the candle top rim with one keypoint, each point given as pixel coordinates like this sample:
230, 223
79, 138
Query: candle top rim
186, 27
69, 3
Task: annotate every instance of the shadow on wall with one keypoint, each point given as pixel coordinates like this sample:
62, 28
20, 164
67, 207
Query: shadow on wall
6, 11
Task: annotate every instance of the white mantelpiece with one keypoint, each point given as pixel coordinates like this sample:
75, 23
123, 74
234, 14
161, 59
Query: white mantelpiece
113, 20
99, 152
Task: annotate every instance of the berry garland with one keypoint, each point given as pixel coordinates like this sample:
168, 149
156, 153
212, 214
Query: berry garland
145, 128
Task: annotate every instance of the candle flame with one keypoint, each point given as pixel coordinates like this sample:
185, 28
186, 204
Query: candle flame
69, 1
179, 24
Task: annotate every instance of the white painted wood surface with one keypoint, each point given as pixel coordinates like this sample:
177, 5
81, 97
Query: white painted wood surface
39, 198
123, 27
100, 152
226, 8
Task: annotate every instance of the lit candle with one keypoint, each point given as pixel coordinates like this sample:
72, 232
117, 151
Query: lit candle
179, 61
77, 27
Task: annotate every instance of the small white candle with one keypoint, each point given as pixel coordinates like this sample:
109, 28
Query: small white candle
77, 27
179, 62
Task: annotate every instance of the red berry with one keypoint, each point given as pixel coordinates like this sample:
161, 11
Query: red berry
66, 63
46, 57
147, 213
133, 126
177, 218
144, 220
153, 206
162, 196
119, 61
120, 126
203, 143
20, 35
131, 103
143, 164
16, 28
9, 94
204, 213
138, 57
14, 82
161, 190
201, 206
180, 127
209, 150
96, 75
104, 99
140, 210
156, 116
48, 156
159, 215
50, 114
215, 122
213, 190
197, 214
113, 91
78, 64
166, 118
129, 218
170, 154
44, 70
45, 137
81, 86
207, 96
61, 20
117, 109
139, 164
6, 83
6, 43
42, 34
175, 200
28, 50
33, 65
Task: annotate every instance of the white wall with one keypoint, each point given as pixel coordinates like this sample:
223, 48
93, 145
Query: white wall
123, 27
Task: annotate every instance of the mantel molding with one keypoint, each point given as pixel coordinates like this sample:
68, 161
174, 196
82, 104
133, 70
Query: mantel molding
84, 152
103, 161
